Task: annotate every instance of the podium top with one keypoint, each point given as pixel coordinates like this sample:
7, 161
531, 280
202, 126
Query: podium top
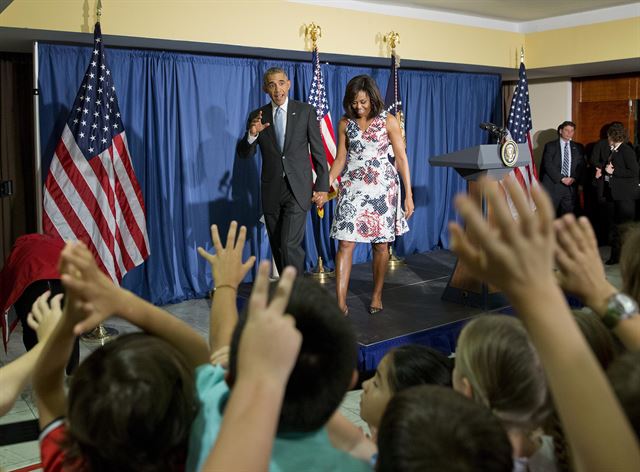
480, 160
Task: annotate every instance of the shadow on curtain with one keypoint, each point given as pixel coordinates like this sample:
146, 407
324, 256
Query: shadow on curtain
184, 115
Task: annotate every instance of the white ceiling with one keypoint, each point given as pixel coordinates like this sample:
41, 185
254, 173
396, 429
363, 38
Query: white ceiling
509, 10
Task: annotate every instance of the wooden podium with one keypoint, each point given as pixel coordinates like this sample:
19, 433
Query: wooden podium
472, 163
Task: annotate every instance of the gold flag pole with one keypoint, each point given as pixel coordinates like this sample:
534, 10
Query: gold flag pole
393, 39
313, 32
101, 334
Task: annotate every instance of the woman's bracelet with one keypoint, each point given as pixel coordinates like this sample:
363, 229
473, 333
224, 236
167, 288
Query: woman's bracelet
226, 286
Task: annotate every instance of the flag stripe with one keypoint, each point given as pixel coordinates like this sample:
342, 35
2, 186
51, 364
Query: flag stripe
91, 192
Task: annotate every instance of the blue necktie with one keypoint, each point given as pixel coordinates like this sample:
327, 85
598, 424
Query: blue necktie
279, 123
566, 165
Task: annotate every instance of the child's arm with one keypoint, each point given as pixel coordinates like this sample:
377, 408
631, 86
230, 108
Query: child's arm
582, 273
15, 375
101, 298
228, 272
517, 256
266, 355
346, 436
48, 376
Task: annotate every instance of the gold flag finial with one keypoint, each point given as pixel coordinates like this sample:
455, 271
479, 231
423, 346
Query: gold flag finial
521, 53
313, 32
98, 11
393, 39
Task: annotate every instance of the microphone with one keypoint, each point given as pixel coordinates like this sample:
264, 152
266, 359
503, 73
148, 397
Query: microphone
494, 130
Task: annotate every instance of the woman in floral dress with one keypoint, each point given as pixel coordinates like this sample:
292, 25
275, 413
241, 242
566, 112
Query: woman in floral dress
368, 208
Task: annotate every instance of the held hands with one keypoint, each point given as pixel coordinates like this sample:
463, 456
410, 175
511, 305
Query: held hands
320, 198
568, 181
598, 172
44, 315
514, 254
226, 264
270, 342
257, 126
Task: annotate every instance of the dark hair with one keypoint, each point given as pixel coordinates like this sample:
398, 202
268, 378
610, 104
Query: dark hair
130, 408
326, 361
272, 71
617, 133
597, 335
429, 427
566, 123
624, 375
630, 262
362, 83
413, 364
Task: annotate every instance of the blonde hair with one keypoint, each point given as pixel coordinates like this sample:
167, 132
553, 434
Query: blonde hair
495, 354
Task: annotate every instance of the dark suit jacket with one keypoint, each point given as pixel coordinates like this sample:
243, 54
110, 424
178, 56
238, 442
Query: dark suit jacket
624, 181
301, 134
551, 166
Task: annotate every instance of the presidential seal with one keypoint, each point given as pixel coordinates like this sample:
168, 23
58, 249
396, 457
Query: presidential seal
509, 153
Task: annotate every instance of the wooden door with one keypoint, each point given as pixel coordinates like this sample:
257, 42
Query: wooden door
597, 101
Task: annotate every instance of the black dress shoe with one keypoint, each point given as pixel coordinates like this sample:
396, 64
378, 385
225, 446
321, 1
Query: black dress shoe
612, 261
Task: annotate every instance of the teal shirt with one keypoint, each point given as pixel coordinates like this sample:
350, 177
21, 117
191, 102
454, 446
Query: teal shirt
291, 452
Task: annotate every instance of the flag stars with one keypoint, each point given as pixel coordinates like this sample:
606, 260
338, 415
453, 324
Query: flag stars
81, 135
92, 75
85, 111
94, 63
105, 129
95, 52
92, 138
94, 126
104, 141
84, 123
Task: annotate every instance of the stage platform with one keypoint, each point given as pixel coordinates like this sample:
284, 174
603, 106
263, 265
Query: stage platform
413, 309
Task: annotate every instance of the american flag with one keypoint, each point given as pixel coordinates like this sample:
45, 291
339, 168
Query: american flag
318, 99
519, 125
91, 192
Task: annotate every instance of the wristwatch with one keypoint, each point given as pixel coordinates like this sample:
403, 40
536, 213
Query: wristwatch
619, 307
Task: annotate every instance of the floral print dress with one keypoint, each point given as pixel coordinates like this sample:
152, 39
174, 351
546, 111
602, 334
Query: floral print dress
368, 208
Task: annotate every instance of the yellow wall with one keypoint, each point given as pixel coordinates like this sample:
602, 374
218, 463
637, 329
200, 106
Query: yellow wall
584, 44
255, 24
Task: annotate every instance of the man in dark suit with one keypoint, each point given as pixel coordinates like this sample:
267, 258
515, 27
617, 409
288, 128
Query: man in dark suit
562, 168
286, 130
617, 180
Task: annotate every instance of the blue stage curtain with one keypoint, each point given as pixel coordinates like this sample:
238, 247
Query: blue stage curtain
184, 115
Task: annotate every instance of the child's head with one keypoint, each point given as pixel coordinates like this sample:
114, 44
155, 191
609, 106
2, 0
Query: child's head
597, 335
624, 375
497, 365
130, 407
401, 368
429, 427
325, 367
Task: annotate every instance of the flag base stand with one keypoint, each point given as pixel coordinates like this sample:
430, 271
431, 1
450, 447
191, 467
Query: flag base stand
395, 261
100, 335
321, 274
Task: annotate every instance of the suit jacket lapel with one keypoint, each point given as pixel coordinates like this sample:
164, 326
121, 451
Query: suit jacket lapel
267, 117
292, 111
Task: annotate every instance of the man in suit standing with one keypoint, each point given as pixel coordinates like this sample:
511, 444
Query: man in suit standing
562, 168
287, 131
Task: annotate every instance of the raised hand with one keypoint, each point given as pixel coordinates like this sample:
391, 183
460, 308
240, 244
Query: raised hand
514, 254
270, 342
92, 295
581, 269
226, 264
44, 315
257, 126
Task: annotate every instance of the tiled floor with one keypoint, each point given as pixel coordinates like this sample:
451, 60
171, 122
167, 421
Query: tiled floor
196, 313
